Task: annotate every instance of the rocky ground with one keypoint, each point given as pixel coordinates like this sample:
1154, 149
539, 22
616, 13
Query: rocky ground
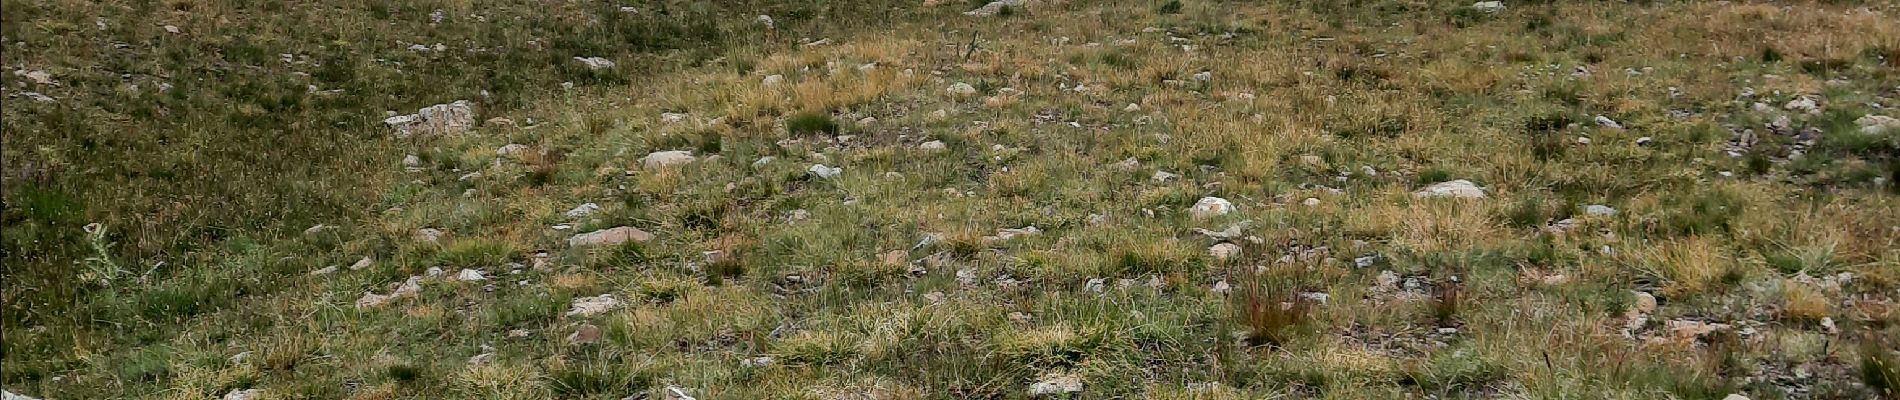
1073, 200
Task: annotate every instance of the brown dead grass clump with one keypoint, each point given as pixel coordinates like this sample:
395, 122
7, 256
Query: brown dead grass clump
1271, 313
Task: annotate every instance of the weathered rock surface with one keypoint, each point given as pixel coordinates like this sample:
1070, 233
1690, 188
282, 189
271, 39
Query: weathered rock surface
1056, 384
438, 120
1461, 189
595, 63
1211, 207
586, 306
609, 237
995, 7
663, 159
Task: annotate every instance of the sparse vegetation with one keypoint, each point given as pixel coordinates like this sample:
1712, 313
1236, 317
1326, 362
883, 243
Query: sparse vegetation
1170, 7
884, 199
1878, 370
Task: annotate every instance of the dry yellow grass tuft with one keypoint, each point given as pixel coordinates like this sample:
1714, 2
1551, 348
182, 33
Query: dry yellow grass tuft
1689, 266
1801, 303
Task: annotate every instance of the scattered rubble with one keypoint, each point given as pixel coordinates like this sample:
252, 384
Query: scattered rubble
407, 288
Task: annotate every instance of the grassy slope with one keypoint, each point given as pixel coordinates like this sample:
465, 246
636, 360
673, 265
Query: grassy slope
235, 128
1418, 92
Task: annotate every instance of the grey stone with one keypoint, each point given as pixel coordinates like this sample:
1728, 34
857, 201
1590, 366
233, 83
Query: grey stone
437, 120
243, 394
1802, 104
37, 76
961, 89
662, 159
995, 7
825, 171
582, 210
1056, 384
1223, 251
756, 362
512, 150
1608, 123
1365, 262
1316, 297
1211, 206
1462, 189
586, 306
595, 63
677, 393
1876, 124
1011, 233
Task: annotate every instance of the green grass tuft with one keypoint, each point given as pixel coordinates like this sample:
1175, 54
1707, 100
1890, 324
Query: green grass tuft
1170, 7
811, 123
